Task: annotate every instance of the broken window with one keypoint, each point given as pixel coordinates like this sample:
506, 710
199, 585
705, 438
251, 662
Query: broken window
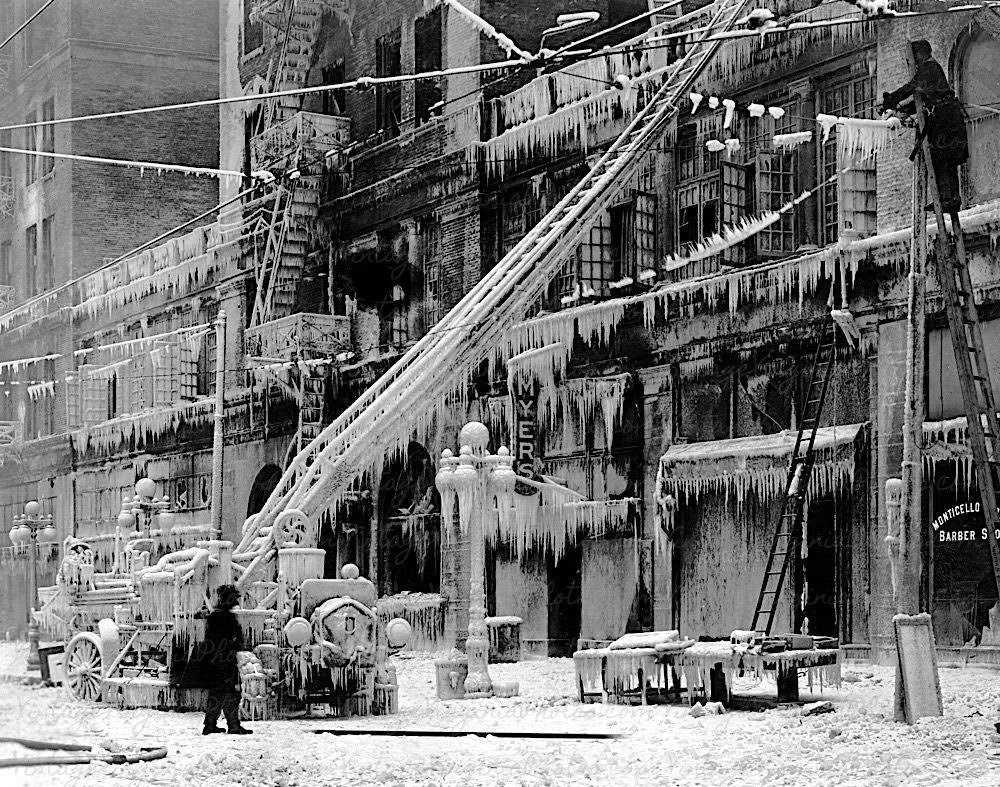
427, 57
388, 97
334, 102
633, 236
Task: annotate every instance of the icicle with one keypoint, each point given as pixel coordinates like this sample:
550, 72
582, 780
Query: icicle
713, 102
756, 110
714, 146
861, 138
696, 99
730, 106
776, 112
791, 141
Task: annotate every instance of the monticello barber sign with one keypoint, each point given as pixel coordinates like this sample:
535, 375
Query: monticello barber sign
963, 522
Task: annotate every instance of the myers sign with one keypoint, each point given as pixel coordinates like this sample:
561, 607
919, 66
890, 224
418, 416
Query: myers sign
525, 438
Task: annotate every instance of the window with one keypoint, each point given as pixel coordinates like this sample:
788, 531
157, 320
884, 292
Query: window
46, 266
597, 256
334, 102
775, 188
849, 202
40, 34
48, 134
207, 359
980, 55
399, 332
5, 272
31, 258
388, 98
432, 272
6, 159
633, 236
38, 413
427, 51
253, 32
30, 143
522, 210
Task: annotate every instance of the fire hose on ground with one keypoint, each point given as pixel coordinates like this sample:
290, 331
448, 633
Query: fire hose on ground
85, 755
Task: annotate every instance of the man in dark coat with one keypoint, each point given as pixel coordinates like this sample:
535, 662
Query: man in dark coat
223, 640
945, 125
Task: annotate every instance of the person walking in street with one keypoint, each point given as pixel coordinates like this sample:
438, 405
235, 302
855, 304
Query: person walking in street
223, 641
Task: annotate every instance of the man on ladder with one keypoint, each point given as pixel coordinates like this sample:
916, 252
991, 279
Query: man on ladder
945, 127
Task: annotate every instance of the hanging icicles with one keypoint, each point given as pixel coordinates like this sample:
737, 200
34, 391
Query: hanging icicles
791, 141
146, 426
545, 365
863, 139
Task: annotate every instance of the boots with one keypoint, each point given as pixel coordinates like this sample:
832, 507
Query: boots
212, 730
240, 731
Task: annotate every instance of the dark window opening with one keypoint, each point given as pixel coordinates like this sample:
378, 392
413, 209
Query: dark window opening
48, 134
688, 225
46, 265
427, 50
388, 97
31, 258
334, 102
709, 219
253, 32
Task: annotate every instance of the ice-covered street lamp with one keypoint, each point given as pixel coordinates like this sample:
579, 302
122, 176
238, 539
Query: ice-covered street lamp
31, 529
146, 504
479, 482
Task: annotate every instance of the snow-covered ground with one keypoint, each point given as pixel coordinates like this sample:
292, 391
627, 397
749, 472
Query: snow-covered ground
662, 745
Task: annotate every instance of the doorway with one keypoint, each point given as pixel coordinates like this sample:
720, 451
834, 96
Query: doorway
821, 573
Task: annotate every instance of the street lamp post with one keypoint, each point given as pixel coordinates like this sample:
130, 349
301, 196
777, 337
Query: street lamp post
144, 504
30, 529
475, 480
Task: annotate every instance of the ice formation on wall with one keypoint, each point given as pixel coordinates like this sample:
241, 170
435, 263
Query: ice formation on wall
583, 395
19, 364
544, 365
745, 467
146, 426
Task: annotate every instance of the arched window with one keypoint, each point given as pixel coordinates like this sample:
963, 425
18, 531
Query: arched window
977, 63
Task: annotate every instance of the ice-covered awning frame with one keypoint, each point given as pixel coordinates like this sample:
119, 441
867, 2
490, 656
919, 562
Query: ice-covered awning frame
751, 467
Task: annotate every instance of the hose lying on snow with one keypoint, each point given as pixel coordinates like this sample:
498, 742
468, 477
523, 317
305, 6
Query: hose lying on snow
86, 754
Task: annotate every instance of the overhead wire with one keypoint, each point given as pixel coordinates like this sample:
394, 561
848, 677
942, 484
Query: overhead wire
24, 24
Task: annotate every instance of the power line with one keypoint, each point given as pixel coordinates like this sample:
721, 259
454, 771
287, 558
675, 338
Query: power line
27, 22
360, 83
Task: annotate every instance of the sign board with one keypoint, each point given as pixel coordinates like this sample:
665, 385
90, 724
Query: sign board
51, 659
962, 523
525, 438
918, 690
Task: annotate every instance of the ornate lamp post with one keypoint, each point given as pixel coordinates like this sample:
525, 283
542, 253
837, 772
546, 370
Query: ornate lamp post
475, 480
144, 504
31, 529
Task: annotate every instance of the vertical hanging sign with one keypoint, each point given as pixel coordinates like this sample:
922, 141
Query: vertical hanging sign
526, 459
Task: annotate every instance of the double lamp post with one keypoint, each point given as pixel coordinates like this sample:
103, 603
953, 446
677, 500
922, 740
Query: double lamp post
29, 530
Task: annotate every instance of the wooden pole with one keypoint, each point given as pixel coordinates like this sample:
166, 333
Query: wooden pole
218, 442
911, 524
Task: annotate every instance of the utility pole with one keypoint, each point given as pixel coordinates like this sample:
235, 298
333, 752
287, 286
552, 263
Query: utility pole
908, 585
218, 441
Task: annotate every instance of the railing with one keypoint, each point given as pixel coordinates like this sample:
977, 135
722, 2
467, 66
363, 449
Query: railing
304, 335
309, 131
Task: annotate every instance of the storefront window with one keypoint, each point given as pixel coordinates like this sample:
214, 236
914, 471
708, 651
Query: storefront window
962, 586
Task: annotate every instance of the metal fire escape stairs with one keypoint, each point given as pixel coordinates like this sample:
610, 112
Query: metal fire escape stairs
296, 201
970, 353
376, 422
789, 526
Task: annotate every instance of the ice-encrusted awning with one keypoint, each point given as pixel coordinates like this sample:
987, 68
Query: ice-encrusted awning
948, 440
758, 466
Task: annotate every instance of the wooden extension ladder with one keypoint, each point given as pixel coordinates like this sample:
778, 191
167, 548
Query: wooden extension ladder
952, 271
800, 468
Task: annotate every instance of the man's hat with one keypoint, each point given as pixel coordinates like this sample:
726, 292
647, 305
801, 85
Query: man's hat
228, 595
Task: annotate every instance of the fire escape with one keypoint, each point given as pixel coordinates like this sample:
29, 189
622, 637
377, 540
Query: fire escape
301, 145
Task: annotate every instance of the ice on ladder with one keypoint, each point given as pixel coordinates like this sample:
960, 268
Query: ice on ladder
435, 372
